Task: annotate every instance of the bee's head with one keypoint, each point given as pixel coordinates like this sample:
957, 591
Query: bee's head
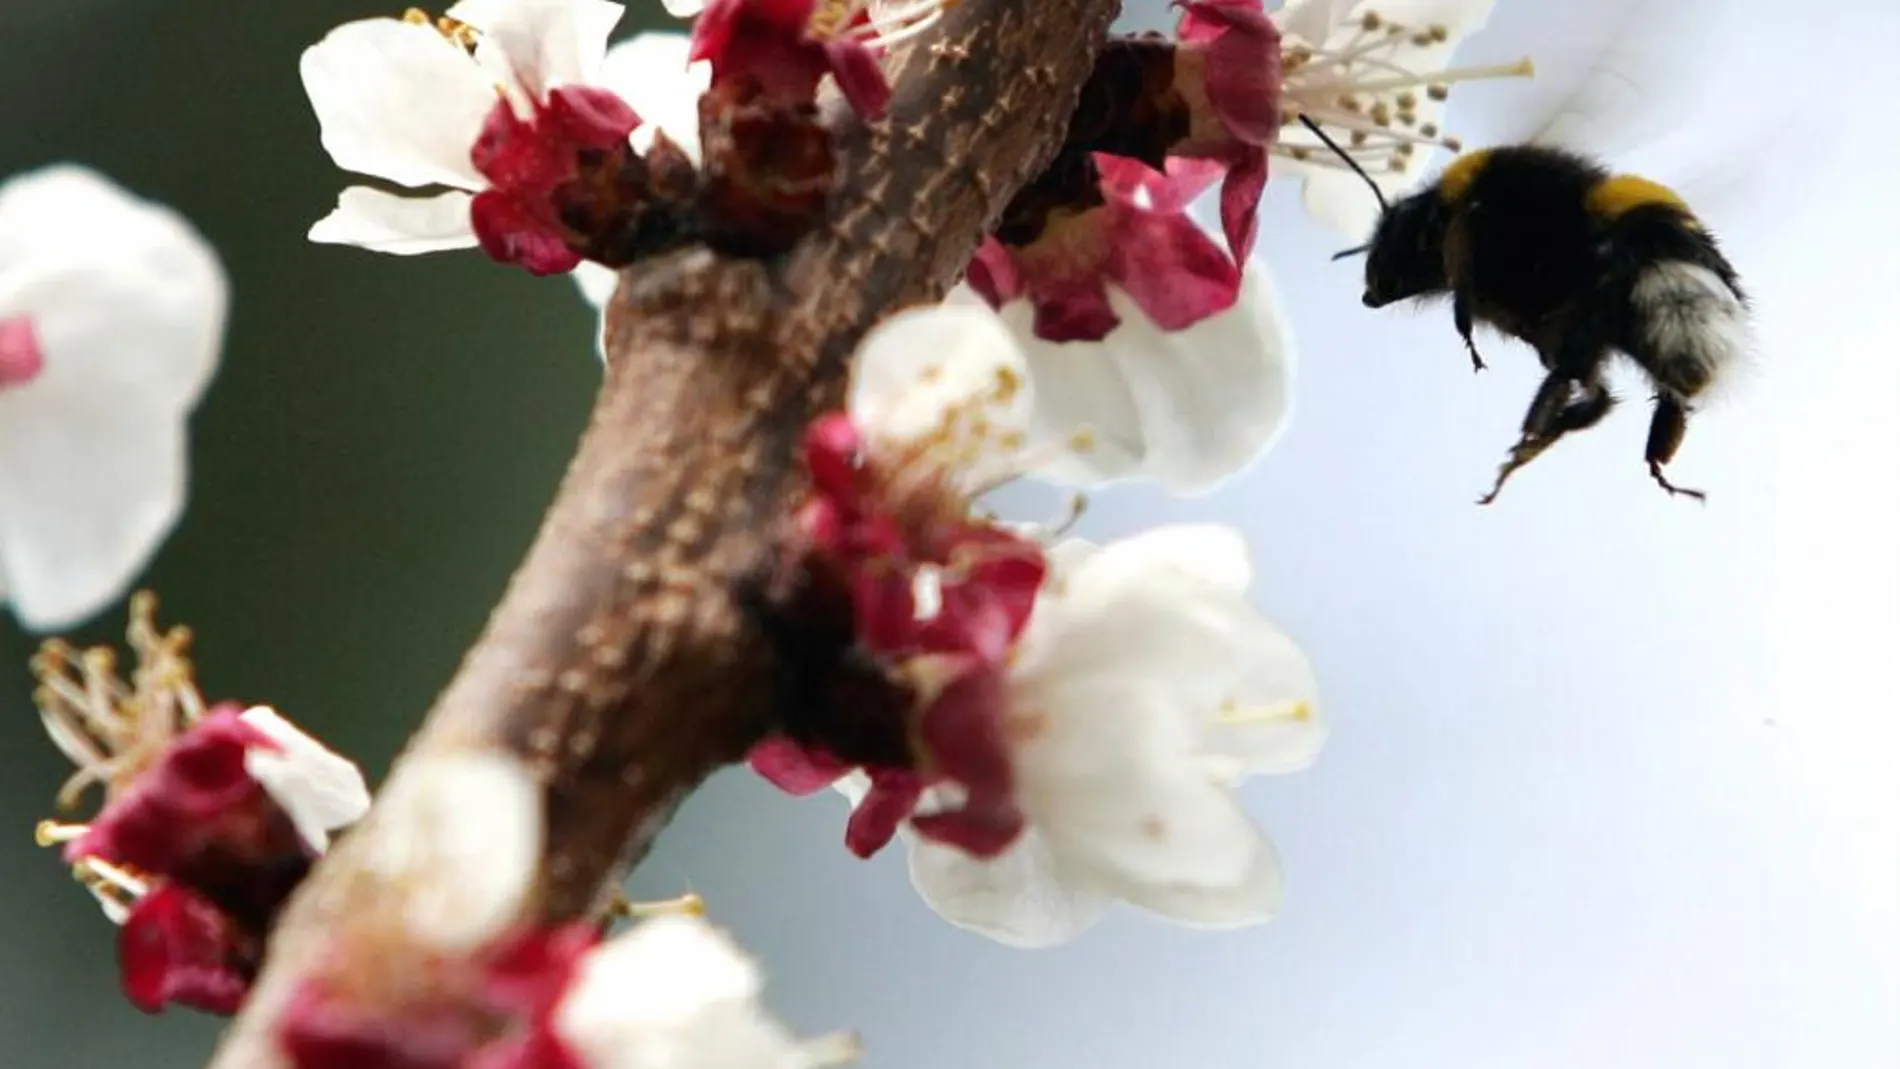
1406, 257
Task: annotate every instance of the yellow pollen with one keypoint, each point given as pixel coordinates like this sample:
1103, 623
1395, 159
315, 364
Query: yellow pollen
1082, 441
1008, 383
830, 16
455, 31
1370, 21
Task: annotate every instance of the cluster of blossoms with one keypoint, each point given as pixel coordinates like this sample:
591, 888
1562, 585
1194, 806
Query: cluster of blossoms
519, 109
1063, 723
493, 991
212, 816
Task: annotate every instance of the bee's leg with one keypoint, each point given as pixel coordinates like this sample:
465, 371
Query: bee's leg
1666, 427
1563, 404
1461, 316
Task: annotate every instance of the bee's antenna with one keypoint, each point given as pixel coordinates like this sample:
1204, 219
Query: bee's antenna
1354, 251
1377, 194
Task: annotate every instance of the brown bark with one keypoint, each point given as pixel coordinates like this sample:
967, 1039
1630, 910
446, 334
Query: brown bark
623, 662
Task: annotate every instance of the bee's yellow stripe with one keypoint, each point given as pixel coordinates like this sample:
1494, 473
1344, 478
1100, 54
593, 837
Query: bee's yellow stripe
1626, 192
1459, 174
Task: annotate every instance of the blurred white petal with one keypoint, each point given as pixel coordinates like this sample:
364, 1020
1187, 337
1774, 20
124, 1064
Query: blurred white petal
672, 993
596, 283
948, 378
461, 836
128, 304
406, 226
319, 789
651, 74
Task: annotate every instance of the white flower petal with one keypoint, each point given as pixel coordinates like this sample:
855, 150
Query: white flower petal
1201, 403
1254, 899
1341, 202
596, 283
683, 9
1311, 20
1273, 725
1019, 897
404, 226
461, 836
1113, 698
949, 376
651, 74
1126, 703
673, 993
128, 304
542, 43
399, 101
1078, 393
319, 789
1211, 556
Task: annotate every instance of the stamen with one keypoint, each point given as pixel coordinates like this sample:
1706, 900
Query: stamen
1232, 712
836, 1048
912, 20
53, 833
1356, 124
116, 889
107, 729
1360, 84
686, 905
1435, 81
893, 21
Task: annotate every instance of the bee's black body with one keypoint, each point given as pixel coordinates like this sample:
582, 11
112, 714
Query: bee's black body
1578, 263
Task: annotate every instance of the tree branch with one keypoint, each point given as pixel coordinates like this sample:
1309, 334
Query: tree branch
622, 662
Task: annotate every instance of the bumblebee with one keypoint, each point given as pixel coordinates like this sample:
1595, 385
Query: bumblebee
1554, 250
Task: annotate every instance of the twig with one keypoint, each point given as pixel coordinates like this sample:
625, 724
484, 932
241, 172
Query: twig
620, 661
